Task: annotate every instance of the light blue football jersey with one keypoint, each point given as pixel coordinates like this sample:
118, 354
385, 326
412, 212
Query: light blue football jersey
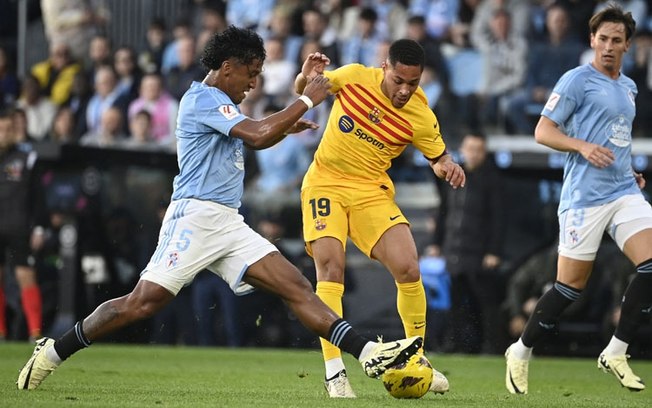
211, 163
588, 105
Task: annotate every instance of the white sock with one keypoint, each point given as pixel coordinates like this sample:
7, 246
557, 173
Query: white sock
52, 355
520, 350
366, 350
334, 366
616, 347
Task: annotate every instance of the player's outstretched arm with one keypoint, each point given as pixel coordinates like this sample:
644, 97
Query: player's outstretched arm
266, 132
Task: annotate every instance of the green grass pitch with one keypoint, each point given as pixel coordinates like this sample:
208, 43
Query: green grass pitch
153, 376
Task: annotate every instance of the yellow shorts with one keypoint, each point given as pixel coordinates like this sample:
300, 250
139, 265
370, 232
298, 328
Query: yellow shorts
361, 213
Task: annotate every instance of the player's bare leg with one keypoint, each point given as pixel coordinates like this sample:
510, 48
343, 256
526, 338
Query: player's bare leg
144, 301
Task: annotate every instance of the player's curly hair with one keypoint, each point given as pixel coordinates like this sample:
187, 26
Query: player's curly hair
240, 43
407, 52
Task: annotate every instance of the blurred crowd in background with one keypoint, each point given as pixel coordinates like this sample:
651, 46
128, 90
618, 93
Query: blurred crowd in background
490, 66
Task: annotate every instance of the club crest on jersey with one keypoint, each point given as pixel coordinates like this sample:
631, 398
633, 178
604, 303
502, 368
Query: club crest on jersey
228, 111
375, 115
320, 224
173, 260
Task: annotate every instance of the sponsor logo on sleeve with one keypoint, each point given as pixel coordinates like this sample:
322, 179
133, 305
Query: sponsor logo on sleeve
228, 111
552, 101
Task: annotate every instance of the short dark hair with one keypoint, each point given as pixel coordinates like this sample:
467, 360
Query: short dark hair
416, 19
157, 23
407, 52
613, 14
477, 133
240, 43
368, 14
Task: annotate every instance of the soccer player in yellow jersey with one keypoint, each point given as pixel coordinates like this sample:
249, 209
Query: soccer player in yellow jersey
347, 192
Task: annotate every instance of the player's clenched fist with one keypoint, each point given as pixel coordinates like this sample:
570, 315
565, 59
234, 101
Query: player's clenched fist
317, 89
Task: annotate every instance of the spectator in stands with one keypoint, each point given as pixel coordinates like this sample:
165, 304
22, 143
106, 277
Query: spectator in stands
140, 132
547, 61
439, 15
128, 71
391, 19
23, 138
416, 30
9, 84
99, 55
16, 222
178, 80
504, 56
212, 21
315, 27
362, 46
519, 10
280, 26
470, 235
39, 110
279, 73
63, 127
80, 95
460, 30
182, 28
56, 74
163, 107
151, 58
106, 95
74, 22
110, 133
580, 12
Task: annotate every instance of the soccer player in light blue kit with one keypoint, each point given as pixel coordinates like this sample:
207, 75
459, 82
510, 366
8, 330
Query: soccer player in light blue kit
589, 115
202, 228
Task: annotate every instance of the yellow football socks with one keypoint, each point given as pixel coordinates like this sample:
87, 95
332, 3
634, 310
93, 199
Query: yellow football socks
411, 305
331, 293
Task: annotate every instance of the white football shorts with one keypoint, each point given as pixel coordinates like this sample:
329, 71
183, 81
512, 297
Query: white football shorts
581, 230
198, 235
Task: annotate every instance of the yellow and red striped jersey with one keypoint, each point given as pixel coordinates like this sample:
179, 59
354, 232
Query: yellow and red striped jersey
365, 132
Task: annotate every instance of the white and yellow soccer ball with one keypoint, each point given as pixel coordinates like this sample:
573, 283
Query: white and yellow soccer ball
411, 379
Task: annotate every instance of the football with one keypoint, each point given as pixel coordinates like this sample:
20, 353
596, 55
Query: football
411, 379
